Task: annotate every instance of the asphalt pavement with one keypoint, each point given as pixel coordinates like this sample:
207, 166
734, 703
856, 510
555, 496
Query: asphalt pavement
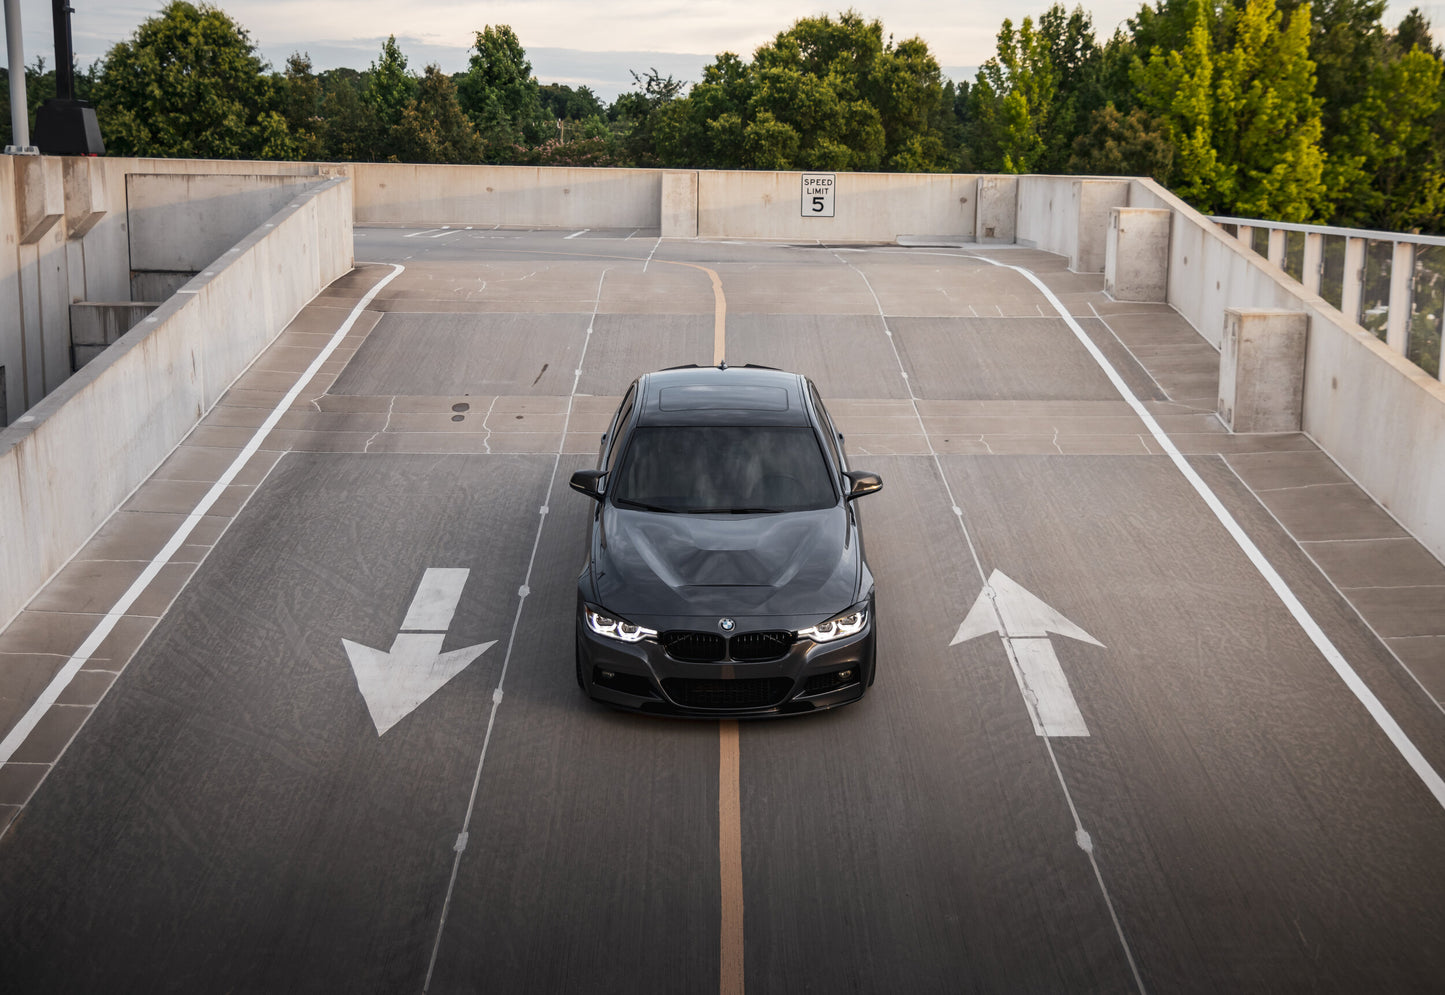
1136, 767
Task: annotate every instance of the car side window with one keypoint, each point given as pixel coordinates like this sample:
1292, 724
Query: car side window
618, 424
830, 432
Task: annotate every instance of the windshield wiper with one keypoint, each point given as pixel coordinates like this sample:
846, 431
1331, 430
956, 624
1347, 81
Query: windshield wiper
734, 511
642, 506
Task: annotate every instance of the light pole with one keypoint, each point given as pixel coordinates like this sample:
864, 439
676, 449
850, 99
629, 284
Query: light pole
19, 111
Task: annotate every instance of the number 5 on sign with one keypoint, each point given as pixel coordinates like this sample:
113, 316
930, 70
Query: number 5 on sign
818, 195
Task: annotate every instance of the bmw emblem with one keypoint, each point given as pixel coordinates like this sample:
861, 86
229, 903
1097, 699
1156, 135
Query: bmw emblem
727, 624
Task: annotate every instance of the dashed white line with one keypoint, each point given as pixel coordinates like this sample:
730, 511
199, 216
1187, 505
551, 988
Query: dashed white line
522, 594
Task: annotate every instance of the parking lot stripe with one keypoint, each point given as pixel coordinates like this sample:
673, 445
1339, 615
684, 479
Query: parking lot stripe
82, 655
1327, 648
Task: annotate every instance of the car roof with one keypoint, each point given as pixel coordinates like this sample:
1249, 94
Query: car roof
722, 395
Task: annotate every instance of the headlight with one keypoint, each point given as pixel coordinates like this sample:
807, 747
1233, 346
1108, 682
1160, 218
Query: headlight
850, 623
615, 628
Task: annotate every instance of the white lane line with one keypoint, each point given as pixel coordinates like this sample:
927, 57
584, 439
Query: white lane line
651, 254
419, 234
461, 843
584, 231
1361, 691
1082, 838
82, 655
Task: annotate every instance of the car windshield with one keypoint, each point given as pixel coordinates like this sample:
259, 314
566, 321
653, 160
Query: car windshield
723, 469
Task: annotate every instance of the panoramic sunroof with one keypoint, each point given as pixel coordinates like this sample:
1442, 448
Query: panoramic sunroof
702, 397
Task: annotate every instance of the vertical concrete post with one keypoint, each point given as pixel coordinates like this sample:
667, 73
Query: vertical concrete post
1094, 199
1402, 277
1277, 238
1354, 278
679, 204
1136, 257
1262, 369
998, 210
1313, 262
86, 197
39, 196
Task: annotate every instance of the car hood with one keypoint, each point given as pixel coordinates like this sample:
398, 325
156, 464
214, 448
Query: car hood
794, 563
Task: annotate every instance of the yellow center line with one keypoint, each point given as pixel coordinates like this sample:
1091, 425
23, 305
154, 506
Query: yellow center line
719, 310
729, 794
730, 860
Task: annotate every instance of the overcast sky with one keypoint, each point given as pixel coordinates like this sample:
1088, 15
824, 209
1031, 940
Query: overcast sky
577, 42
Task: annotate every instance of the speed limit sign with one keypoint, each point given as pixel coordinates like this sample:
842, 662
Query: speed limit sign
818, 195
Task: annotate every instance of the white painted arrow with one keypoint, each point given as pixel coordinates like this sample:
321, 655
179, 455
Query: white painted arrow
393, 683
1024, 623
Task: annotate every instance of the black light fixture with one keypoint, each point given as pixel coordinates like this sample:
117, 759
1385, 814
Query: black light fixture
64, 125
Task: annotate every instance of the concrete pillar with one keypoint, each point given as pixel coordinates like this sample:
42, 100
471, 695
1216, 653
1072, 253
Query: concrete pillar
1313, 262
679, 204
1354, 278
86, 198
1402, 277
1136, 257
1094, 200
1276, 246
1261, 369
998, 210
39, 196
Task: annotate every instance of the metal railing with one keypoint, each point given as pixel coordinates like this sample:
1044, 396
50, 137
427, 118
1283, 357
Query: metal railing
1392, 284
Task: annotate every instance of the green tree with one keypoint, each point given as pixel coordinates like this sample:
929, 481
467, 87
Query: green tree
390, 87
1007, 123
566, 104
349, 132
638, 114
1241, 114
828, 93
499, 93
433, 127
188, 83
299, 95
1117, 144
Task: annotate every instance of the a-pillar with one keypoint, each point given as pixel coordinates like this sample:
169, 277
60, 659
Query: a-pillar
1261, 369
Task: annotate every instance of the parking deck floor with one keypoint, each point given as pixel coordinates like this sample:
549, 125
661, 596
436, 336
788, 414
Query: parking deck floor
1214, 770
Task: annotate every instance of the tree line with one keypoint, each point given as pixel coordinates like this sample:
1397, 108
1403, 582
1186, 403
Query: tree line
1273, 109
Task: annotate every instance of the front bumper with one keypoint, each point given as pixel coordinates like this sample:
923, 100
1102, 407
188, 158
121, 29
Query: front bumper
645, 677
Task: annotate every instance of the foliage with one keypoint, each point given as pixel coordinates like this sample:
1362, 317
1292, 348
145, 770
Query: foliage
188, 83
499, 93
825, 94
1283, 109
432, 126
1241, 113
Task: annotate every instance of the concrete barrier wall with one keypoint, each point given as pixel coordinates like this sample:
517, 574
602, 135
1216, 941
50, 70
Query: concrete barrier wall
64, 237
184, 221
519, 196
76, 456
868, 207
1379, 416
1069, 215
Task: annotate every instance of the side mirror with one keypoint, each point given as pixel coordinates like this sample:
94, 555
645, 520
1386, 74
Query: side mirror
585, 482
862, 483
